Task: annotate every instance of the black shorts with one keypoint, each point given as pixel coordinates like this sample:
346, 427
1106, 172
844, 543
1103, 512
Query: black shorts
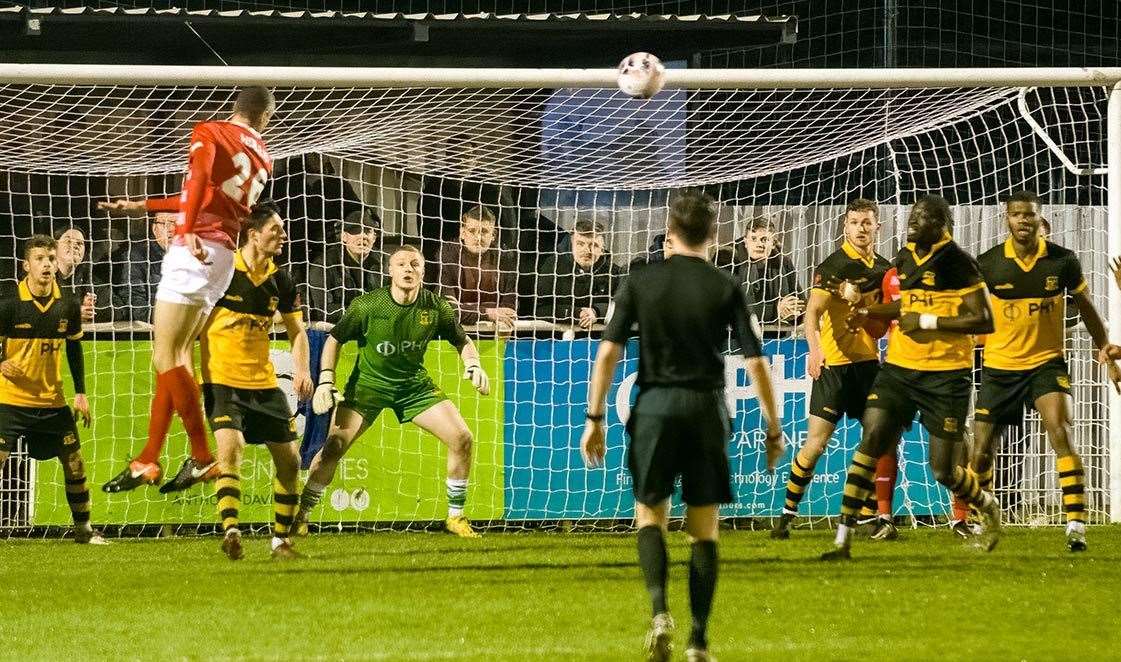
1005, 393
842, 390
48, 432
942, 397
261, 415
680, 432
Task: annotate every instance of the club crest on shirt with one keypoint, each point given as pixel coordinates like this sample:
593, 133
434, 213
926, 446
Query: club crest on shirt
273, 303
424, 318
1052, 283
62, 325
950, 425
928, 278
1063, 381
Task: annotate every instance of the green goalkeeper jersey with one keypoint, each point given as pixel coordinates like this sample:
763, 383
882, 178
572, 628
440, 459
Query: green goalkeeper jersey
392, 337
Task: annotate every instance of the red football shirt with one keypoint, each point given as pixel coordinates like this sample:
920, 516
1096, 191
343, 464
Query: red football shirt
227, 170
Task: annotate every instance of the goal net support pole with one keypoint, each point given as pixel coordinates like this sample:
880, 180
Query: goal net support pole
1113, 184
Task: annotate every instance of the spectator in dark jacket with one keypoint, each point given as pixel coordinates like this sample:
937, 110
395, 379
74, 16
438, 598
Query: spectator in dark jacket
576, 287
135, 271
769, 277
75, 273
479, 279
345, 270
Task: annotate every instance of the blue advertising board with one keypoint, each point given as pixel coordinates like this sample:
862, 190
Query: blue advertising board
546, 392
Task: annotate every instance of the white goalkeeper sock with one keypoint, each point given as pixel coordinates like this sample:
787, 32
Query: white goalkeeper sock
457, 496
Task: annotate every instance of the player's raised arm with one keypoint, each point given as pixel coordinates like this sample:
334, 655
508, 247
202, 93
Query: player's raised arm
349, 328
154, 205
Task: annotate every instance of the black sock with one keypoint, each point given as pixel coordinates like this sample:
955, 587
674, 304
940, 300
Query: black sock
702, 586
654, 561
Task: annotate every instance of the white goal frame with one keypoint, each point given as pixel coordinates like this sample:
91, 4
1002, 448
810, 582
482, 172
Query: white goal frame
1106, 77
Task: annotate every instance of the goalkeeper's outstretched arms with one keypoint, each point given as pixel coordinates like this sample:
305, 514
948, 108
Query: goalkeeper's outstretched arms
326, 393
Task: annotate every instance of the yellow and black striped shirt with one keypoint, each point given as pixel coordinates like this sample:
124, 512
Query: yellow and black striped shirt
1029, 303
34, 331
235, 342
935, 283
839, 345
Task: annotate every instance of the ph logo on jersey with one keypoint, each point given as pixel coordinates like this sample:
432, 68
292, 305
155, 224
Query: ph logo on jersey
1052, 283
386, 348
928, 278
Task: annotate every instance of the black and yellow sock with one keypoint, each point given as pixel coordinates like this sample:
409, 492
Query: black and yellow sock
1072, 480
78, 496
985, 478
229, 500
858, 484
284, 508
801, 473
964, 485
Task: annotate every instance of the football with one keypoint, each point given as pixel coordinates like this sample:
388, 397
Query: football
641, 75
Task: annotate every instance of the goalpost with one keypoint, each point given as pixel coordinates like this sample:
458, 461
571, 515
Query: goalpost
545, 149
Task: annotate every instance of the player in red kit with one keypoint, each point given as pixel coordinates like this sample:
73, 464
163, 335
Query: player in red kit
227, 169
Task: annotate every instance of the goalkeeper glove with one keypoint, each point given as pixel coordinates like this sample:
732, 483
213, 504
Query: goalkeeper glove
326, 396
478, 378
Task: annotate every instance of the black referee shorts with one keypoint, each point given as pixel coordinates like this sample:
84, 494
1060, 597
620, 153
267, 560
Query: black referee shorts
842, 390
680, 432
941, 396
48, 432
1005, 393
261, 415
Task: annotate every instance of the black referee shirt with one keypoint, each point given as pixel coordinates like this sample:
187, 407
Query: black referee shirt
684, 307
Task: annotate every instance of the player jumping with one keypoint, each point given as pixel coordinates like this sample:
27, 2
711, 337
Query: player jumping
928, 367
228, 167
243, 402
393, 326
1029, 279
35, 323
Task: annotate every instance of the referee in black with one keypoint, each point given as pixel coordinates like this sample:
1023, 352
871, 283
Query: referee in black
680, 425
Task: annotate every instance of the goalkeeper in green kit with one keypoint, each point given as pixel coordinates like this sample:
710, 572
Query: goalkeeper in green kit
393, 326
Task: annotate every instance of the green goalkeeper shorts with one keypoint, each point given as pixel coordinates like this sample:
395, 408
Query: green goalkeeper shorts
406, 401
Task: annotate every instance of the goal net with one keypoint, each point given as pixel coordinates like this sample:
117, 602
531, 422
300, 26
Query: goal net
403, 163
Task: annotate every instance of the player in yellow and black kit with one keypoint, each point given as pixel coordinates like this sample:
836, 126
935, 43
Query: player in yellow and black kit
240, 393
1029, 279
35, 324
850, 276
928, 366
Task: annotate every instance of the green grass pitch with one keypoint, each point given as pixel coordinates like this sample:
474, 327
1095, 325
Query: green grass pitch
553, 596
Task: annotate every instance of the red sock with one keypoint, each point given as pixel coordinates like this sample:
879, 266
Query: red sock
185, 395
887, 469
961, 509
158, 422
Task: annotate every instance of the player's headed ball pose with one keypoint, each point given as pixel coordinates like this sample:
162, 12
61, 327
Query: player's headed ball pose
227, 169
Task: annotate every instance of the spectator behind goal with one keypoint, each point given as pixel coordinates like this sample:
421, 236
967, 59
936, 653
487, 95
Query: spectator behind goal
768, 276
480, 281
576, 287
340, 273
